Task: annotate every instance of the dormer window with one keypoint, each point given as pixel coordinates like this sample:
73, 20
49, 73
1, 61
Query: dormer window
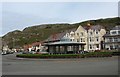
91, 33
81, 33
67, 34
77, 34
118, 32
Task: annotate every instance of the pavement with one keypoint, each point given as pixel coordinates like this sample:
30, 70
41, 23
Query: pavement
11, 65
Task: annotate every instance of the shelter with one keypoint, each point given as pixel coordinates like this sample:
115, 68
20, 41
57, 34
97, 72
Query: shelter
64, 47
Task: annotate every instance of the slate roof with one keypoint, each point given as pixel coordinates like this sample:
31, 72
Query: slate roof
58, 36
109, 35
55, 37
94, 27
65, 43
68, 31
116, 27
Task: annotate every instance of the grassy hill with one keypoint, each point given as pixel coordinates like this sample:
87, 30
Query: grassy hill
41, 32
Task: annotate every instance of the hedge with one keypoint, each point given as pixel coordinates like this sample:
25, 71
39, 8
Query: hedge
49, 56
90, 54
116, 53
98, 54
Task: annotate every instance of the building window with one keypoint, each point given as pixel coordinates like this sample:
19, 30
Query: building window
90, 46
113, 32
96, 32
91, 33
97, 39
61, 49
115, 39
110, 40
77, 40
73, 39
81, 33
67, 34
77, 34
118, 32
81, 39
116, 46
111, 47
51, 48
72, 35
57, 48
69, 48
90, 39
97, 45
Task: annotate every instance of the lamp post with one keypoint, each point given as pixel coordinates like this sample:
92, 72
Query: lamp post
13, 39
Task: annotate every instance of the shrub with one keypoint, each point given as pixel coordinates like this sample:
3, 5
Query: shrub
116, 53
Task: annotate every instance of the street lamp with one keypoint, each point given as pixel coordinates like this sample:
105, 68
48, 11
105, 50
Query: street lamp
13, 39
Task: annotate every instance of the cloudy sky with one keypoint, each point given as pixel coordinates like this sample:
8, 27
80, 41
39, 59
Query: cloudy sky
18, 15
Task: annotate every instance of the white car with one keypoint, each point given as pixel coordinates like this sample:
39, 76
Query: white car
32, 52
4, 53
43, 52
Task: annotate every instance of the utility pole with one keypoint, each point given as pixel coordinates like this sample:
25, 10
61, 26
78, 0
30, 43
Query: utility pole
13, 42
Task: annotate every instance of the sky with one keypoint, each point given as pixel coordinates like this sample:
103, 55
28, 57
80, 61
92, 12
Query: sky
19, 15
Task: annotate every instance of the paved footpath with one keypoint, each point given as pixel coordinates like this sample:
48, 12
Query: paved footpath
84, 66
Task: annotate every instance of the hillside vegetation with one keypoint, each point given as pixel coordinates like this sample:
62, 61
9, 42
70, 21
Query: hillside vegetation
41, 32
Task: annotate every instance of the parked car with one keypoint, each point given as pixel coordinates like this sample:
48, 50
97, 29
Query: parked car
42, 52
83, 52
32, 52
4, 53
25, 52
10, 52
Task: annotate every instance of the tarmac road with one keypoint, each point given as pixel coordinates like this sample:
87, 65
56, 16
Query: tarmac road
85, 66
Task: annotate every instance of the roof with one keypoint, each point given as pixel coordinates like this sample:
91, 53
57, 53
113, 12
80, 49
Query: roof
58, 36
94, 27
55, 37
108, 35
36, 43
65, 43
116, 27
33, 44
112, 42
68, 31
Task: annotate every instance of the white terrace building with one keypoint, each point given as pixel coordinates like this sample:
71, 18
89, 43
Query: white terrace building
112, 39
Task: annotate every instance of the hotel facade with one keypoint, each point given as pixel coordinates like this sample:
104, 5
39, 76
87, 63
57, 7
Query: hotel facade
92, 37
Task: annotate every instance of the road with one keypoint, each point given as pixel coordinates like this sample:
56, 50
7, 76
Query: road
85, 66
